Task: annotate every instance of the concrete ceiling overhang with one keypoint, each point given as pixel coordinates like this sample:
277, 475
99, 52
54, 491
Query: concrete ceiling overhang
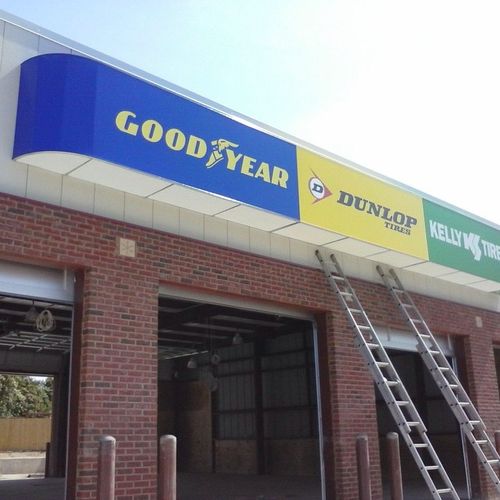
162, 190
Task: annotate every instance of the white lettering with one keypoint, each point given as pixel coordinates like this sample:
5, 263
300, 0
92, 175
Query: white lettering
471, 243
433, 228
441, 232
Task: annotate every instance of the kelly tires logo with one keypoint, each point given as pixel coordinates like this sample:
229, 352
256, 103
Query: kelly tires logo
462, 243
469, 241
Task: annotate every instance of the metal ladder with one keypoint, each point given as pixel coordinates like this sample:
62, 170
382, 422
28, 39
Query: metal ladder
409, 422
458, 400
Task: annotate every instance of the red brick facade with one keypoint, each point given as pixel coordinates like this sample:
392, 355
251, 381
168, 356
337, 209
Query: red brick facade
118, 367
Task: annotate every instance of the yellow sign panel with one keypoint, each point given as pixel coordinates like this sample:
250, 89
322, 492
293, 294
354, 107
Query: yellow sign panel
340, 199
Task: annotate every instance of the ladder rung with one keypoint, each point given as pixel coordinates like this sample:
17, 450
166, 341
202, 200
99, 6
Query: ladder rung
463, 403
371, 345
443, 369
481, 441
443, 490
425, 336
335, 277
493, 461
413, 424
433, 352
453, 386
415, 320
363, 327
392, 383
354, 310
406, 305
382, 364
421, 445
431, 467
402, 403
474, 422
345, 293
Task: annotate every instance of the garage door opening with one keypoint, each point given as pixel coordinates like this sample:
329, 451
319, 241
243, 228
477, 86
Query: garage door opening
442, 428
239, 390
35, 347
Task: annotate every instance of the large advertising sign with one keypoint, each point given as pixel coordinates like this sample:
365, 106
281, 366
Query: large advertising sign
73, 104
77, 105
462, 243
349, 202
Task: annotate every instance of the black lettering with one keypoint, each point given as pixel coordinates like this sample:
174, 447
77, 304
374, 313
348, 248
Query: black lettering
410, 221
399, 218
317, 188
374, 209
359, 203
385, 213
345, 198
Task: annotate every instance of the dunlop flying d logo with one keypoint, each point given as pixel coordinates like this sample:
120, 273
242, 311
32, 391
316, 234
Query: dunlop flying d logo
318, 188
222, 149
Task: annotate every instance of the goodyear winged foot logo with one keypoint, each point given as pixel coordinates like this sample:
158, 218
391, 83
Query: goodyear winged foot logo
223, 151
219, 145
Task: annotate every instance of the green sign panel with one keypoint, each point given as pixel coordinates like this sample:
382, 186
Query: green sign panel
462, 243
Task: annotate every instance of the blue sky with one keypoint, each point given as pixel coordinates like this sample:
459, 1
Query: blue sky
407, 89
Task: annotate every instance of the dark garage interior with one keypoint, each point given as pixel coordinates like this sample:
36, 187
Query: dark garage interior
442, 428
238, 389
36, 340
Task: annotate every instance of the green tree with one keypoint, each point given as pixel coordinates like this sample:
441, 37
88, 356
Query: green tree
22, 396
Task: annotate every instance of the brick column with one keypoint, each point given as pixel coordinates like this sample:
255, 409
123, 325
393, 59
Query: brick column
483, 390
118, 392
353, 408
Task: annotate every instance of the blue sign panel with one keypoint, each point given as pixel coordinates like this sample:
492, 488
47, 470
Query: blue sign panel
73, 104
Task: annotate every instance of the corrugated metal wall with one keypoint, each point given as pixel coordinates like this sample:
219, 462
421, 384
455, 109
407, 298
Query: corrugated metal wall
235, 398
288, 389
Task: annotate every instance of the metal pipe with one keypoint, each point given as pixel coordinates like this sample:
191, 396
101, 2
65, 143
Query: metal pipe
497, 441
395, 479
167, 481
106, 468
47, 459
363, 459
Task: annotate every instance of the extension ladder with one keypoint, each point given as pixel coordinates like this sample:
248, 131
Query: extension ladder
409, 422
458, 400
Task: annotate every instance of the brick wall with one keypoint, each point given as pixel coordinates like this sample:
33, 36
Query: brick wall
118, 389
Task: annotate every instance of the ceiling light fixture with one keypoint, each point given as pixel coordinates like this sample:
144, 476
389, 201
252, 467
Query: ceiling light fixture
192, 363
31, 314
45, 322
215, 359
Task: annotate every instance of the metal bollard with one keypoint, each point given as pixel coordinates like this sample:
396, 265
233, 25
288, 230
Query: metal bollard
106, 468
47, 459
167, 481
395, 478
363, 457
